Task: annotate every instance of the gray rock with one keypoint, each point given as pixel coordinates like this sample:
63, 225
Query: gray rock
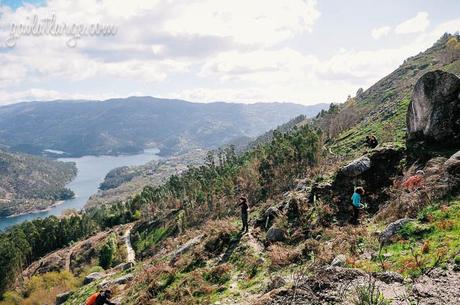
119, 281
275, 234
185, 247
339, 261
124, 266
93, 277
452, 165
392, 229
388, 277
63, 297
434, 109
357, 167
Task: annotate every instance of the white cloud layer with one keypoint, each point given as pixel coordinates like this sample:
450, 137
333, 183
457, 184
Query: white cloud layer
202, 51
380, 32
414, 25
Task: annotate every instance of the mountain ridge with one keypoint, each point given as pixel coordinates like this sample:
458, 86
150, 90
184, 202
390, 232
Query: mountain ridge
127, 125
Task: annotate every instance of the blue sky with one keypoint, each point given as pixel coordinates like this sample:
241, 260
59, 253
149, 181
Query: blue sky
301, 51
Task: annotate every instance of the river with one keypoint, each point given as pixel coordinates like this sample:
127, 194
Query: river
91, 172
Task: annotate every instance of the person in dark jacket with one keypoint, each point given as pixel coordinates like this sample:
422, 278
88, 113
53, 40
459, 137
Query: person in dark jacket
243, 203
104, 298
371, 141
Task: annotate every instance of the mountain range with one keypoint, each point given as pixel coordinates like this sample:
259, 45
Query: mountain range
128, 125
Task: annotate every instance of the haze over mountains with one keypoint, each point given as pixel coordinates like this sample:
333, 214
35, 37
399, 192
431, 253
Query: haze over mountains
128, 125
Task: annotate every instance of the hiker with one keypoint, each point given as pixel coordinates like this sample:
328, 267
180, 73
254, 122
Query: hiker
371, 141
243, 203
100, 298
356, 203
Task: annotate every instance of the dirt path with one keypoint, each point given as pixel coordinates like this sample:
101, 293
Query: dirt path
131, 255
67, 259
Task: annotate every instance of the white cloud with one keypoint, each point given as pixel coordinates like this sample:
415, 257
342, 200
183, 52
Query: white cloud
380, 32
417, 24
256, 21
200, 50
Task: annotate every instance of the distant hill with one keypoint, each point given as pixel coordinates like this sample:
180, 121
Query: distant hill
381, 109
130, 124
29, 182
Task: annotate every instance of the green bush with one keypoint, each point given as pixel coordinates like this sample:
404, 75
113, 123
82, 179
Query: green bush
369, 294
457, 260
414, 230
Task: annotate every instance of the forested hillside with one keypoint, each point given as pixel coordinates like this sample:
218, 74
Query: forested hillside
306, 243
28, 183
132, 124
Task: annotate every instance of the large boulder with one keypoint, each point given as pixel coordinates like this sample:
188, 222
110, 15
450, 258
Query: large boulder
275, 234
357, 167
452, 165
434, 111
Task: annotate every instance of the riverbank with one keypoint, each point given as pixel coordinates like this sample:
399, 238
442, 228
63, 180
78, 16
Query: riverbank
91, 171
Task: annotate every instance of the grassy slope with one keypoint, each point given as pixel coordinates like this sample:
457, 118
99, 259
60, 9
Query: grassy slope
383, 106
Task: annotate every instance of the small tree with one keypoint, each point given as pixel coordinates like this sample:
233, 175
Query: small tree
108, 252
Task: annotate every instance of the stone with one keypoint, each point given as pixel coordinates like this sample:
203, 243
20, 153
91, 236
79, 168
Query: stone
63, 297
118, 281
124, 266
275, 234
357, 167
434, 110
275, 283
93, 277
452, 165
339, 261
185, 247
388, 277
392, 229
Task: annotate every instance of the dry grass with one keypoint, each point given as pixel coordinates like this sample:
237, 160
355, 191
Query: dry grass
282, 255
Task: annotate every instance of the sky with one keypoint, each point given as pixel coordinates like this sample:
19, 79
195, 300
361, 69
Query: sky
301, 51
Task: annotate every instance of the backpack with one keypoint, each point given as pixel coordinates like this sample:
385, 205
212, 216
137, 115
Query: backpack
92, 299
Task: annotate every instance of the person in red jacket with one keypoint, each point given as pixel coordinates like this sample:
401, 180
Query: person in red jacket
100, 298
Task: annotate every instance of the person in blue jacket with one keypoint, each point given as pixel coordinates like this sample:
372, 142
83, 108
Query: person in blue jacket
356, 203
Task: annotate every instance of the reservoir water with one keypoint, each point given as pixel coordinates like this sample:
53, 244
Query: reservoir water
91, 172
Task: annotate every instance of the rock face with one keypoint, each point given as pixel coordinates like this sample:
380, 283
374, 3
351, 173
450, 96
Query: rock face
434, 112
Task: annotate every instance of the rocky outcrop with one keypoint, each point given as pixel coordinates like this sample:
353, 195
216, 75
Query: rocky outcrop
93, 277
185, 247
275, 234
392, 229
452, 165
118, 281
374, 172
356, 167
433, 117
63, 297
339, 261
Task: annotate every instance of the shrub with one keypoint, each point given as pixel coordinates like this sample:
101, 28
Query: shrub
369, 294
283, 255
108, 252
457, 260
218, 275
